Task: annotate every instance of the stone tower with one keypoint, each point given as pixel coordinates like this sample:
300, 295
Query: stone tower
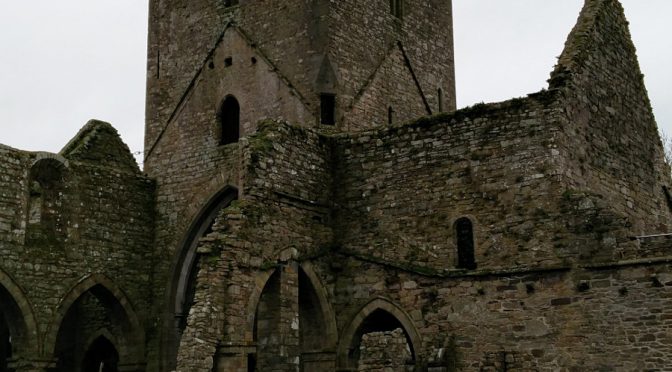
216, 68
350, 64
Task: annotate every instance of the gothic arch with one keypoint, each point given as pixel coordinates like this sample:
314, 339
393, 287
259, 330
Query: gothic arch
327, 312
184, 262
102, 333
22, 318
133, 351
350, 337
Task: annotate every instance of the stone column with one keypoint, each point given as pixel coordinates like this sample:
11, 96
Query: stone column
289, 316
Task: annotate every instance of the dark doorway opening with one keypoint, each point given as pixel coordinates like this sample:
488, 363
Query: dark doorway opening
101, 356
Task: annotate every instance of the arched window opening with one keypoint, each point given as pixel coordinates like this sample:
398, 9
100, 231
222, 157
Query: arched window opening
328, 109
381, 340
101, 356
397, 8
89, 322
45, 217
390, 115
229, 121
464, 233
440, 98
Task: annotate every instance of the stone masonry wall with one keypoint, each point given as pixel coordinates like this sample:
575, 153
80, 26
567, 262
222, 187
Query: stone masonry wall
351, 39
384, 352
612, 144
542, 321
279, 219
401, 190
107, 208
366, 32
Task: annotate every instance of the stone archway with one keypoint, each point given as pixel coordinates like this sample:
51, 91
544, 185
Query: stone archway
183, 280
18, 327
380, 318
95, 307
101, 356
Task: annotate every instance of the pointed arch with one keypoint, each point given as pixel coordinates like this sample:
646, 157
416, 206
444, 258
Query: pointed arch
326, 311
132, 351
19, 315
180, 288
101, 354
351, 336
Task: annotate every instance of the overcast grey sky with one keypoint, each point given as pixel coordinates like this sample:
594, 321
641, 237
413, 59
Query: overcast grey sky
64, 62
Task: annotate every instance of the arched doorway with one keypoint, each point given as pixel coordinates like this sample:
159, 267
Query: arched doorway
95, 325
275, 321
101, 356
380, 336
18, 330
183, 281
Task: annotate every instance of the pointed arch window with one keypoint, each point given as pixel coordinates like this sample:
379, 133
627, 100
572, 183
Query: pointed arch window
464, 232
229, 120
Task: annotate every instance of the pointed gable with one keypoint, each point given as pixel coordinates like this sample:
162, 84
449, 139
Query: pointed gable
98, 142
391, 95
599, 45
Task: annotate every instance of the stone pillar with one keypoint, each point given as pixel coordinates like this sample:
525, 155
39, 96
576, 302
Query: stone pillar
289, 316
31, 365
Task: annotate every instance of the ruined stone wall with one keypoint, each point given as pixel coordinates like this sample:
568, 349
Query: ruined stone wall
613, 143
106, 206
401, 190
530, 321
282, 215
384, 352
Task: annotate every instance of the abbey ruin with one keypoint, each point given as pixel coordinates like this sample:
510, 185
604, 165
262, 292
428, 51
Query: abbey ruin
312, 201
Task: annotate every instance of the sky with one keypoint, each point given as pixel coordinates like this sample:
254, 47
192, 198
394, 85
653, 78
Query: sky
65, 62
